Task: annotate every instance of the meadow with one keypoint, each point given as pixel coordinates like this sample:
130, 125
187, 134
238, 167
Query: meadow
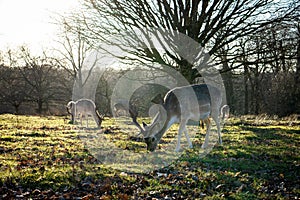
43, 157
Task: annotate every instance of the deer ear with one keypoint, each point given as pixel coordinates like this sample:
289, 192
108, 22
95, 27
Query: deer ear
158, 99
144, 124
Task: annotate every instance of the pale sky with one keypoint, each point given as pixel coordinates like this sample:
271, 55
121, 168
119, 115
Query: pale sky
29, 22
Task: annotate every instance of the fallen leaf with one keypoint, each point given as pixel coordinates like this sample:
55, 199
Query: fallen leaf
87, 197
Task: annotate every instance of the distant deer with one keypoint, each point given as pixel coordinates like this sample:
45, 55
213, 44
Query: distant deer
122, 105
181, 104
84, 108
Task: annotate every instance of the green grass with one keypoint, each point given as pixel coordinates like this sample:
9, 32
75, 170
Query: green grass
43, 157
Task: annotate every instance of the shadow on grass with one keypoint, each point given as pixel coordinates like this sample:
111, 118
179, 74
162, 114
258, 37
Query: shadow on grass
263, 161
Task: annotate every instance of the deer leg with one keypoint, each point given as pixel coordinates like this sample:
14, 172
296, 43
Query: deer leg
74, 116
81, 116
216, 118
96, 118
188, 138
180, 130
99, 118
87, 120
207, 123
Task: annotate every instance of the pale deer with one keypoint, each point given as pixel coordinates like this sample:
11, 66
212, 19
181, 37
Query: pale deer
84, 108
181, 104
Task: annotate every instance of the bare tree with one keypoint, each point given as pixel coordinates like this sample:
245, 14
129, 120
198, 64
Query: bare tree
43, 76
297, 75
269, 61
213, 24
105, 89
74, 49
13, 89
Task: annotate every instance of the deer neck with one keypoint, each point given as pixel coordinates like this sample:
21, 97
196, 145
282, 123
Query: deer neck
168, 123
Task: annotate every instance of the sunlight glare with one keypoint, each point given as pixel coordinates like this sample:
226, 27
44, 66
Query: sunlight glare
29, 22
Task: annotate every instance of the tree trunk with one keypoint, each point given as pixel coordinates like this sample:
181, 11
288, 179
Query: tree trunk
187, 71
17, 106
297, 81
78, 87
246, 91
40, 106
228, 83
256, 91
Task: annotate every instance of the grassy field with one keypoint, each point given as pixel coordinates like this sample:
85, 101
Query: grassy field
43, 158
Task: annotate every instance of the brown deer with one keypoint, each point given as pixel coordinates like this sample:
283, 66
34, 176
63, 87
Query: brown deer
181, 104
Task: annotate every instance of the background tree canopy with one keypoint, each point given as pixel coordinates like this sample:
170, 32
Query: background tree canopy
254, 44
213, 24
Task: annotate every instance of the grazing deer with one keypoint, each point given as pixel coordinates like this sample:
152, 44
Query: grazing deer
181, 104
84, 108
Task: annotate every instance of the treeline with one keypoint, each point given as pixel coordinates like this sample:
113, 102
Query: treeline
267, 78
41, 88
32, 84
